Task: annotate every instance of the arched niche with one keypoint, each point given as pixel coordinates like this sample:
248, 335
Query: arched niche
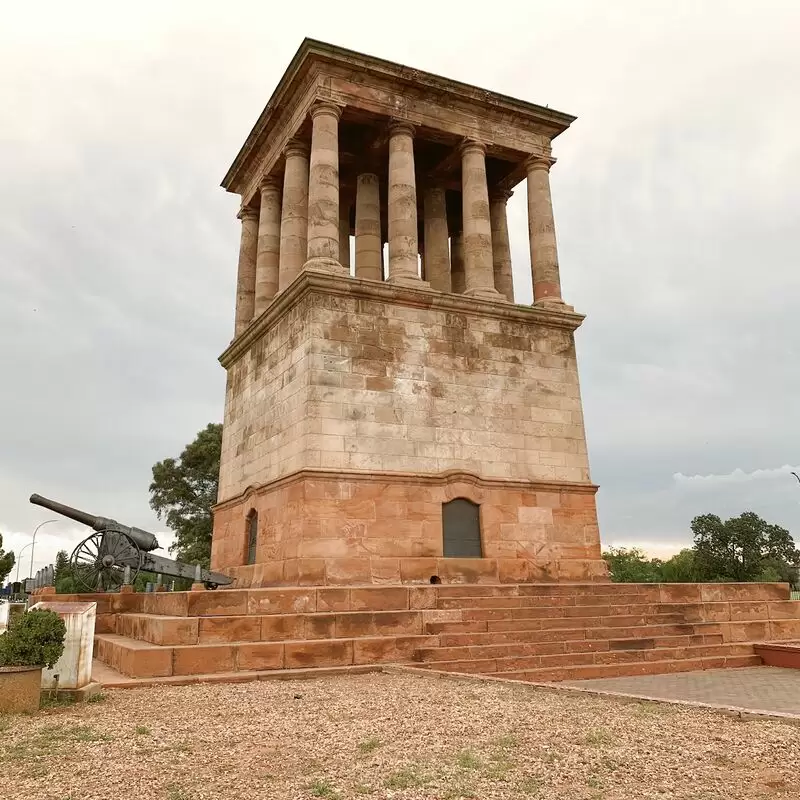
461, 526
252, 536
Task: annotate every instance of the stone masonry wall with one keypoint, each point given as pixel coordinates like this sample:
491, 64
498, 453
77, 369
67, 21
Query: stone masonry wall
353, 413
393, 387
266, 406
343, 529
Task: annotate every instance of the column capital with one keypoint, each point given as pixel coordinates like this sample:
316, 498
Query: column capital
247, 212
471, 145
268, 182
326, 107
539, 161
400, 126
500, 194
296, 147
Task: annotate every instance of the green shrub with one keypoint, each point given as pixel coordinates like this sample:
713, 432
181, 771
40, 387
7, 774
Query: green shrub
32, 640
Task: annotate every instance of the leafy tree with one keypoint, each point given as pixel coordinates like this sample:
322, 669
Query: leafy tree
631, 565
681, 568
183, 492
64, 579
742, 548
7, 561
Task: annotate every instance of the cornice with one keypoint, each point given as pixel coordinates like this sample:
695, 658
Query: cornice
439, 479
309, 282
313, 53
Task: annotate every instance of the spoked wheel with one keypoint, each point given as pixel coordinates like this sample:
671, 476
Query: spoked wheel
99, 562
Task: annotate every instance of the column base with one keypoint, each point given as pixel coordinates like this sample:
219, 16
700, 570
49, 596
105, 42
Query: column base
486, 293
326, 265
553, 304
408, 280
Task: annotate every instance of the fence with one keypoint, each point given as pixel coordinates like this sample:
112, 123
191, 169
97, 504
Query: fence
795, 595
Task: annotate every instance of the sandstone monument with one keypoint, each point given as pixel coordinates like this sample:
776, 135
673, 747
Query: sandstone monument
396, 420
395, 416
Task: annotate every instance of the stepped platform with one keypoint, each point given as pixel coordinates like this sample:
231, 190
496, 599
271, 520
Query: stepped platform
534, 632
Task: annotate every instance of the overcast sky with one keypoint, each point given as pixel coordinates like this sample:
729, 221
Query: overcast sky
677, 202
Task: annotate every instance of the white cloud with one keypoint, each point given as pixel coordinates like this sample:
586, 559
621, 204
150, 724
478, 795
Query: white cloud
738, 475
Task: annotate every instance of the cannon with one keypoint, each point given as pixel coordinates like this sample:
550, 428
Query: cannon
115, 553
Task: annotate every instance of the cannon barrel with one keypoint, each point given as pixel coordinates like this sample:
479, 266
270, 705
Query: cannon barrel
65, 511
144, 539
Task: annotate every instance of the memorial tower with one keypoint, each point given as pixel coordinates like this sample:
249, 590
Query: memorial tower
392, 415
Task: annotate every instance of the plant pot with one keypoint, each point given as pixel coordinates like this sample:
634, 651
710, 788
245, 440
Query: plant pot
20, 688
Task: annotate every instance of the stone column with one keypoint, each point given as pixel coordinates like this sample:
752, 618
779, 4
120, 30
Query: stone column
323, 189
478, 263
542, 232
437, 253
457, 278
246, 274
501, 248
294, 215
402, 212
344, 233
369, 248
269, 243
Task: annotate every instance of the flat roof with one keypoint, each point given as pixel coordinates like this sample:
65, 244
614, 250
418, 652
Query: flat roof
312, 50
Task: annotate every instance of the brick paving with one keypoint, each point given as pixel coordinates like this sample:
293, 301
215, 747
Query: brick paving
764, 689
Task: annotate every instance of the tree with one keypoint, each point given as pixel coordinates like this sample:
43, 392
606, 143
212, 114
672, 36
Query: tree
183, 492
63, 578
742, 548
681, 568
632, 566
7, 561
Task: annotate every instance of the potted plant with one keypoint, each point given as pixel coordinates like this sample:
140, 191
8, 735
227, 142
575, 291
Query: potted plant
33, 641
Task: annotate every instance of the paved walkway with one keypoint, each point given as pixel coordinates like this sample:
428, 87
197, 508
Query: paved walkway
765, 689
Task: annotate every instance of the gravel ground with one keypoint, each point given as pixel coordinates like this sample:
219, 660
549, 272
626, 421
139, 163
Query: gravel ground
388, 736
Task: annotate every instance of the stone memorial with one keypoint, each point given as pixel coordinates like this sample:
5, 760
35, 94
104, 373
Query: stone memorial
362, 399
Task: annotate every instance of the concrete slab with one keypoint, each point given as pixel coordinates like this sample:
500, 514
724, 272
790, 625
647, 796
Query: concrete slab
768, 690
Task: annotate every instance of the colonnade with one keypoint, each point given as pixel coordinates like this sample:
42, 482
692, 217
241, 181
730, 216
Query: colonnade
303, 222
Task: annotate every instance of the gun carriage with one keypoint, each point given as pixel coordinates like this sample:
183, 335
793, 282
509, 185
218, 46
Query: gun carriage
115, 553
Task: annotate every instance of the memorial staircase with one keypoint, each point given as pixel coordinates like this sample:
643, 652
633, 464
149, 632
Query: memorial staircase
531, 632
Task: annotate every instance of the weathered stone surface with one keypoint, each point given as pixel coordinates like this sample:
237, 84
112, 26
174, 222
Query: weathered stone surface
356, 408
246, 273
371, 391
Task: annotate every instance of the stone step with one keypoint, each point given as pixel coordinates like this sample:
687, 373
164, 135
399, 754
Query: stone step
619, 620
139, 659
523, 601
779, 654
629, 662
583, 672
164, 630
652, 632
577, 645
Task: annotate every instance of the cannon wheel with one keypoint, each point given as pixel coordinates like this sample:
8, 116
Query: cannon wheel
99, 561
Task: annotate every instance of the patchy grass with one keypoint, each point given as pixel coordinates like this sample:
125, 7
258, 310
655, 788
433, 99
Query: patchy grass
48, 739
368, 745
324, 788
50, 701
176, 793
407, 777
96, 698
598, 737
141, 730
468, 760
